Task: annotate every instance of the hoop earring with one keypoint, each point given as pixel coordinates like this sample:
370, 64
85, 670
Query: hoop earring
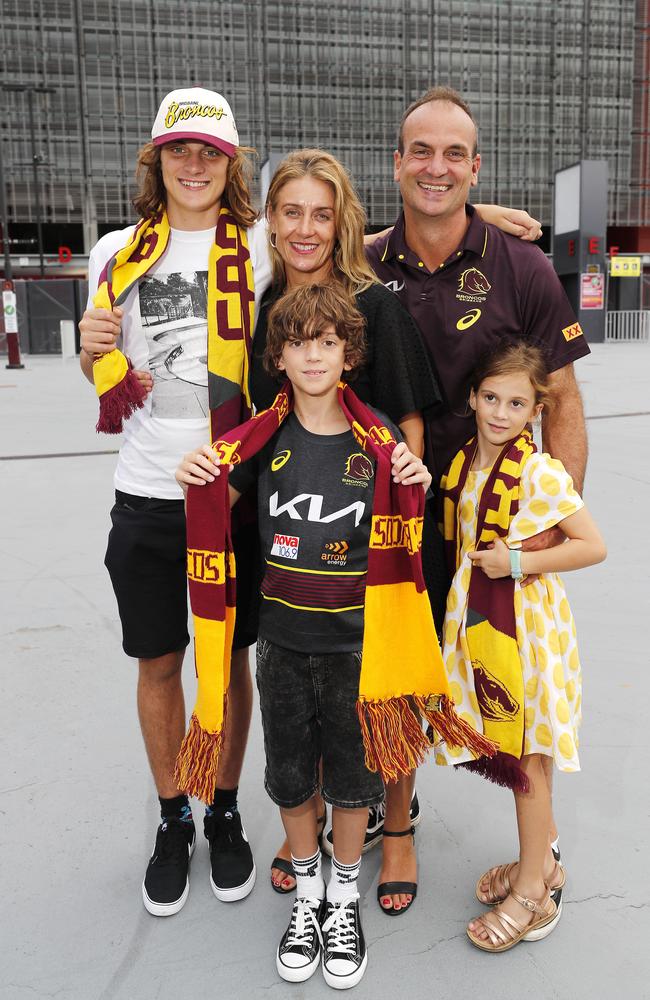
273, 240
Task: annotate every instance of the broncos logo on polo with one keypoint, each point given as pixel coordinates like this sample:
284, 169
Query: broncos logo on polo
473, 286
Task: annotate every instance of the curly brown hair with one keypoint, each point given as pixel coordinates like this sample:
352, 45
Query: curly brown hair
304, 313
237, 197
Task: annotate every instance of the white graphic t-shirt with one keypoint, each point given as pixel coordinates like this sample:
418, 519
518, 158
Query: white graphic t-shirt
165, 331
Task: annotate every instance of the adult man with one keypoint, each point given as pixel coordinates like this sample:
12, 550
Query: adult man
467, 284
194, 194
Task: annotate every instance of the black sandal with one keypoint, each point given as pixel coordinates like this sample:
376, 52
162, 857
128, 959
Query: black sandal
390, 888
286, 866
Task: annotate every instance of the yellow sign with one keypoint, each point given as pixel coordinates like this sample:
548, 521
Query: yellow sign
625, 267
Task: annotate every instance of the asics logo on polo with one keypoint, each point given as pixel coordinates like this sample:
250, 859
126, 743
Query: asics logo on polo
469, 319
314, 511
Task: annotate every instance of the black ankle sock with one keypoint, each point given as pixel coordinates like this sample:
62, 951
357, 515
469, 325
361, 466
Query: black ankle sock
173, 807
225, 798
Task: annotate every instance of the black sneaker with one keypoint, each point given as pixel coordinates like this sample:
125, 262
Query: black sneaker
166, 884
232, 874
375, 827
344, 948
299, 950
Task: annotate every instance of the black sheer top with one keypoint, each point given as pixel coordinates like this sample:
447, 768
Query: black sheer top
397, 376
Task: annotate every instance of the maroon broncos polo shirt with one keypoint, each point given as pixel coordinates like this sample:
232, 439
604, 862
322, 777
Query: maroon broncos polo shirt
493, 286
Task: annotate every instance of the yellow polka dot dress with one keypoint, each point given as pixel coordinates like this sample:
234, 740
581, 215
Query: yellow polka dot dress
546, 632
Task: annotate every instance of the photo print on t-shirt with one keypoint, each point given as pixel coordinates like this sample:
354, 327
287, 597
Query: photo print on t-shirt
174, 311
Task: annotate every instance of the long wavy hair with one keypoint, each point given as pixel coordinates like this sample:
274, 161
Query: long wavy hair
350, 265
236, 196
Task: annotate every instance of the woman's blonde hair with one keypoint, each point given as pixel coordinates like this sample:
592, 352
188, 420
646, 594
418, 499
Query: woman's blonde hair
350, 264
236, 196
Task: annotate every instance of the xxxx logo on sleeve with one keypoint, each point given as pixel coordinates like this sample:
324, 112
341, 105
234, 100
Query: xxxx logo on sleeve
573, 331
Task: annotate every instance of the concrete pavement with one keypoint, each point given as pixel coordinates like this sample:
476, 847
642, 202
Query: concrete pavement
78, 808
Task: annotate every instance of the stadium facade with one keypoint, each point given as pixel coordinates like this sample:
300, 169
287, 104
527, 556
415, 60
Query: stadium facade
550, 83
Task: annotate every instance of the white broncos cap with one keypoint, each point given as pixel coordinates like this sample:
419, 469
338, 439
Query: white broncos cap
198, 114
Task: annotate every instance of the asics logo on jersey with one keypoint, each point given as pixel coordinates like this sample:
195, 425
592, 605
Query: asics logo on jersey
314, 511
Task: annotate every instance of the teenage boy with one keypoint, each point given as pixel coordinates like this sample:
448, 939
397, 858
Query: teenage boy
316, 489
196, 212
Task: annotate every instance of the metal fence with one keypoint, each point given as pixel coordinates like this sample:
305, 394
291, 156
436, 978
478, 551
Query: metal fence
628, 326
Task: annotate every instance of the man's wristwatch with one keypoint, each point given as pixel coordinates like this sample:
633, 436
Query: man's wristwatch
515, 564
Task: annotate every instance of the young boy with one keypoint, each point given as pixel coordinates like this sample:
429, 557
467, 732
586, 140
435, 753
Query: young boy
315, 493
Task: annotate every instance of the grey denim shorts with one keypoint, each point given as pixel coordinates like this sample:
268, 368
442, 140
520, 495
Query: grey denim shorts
308, 708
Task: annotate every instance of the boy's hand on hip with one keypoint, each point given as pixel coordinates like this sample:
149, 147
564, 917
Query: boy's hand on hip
408, 469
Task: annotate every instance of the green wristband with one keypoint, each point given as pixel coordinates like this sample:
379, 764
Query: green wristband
515, 564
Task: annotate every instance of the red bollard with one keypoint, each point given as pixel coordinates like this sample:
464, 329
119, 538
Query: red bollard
11, 324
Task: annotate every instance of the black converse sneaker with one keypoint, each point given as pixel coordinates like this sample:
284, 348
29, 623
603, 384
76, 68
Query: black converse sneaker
299, 950
344, 948
166, 884
375, 828
232, 874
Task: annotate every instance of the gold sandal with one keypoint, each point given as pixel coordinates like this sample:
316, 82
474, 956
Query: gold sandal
504, 932
498, 880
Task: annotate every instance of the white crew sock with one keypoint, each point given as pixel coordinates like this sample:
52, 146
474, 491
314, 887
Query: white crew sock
343, 881
309, 876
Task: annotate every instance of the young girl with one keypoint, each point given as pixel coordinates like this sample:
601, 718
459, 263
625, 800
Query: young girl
509, 639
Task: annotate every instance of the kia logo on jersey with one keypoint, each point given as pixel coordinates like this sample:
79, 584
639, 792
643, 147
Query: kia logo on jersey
314, 511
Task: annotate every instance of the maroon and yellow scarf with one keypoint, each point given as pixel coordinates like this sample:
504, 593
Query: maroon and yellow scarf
490, 619
231, 302
402, 675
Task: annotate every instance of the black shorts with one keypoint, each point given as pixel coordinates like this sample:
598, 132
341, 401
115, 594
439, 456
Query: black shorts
309, 710
146, 560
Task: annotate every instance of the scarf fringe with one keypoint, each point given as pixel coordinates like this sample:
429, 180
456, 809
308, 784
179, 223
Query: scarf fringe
395, 743
119, 402
454, 730
503, 769
393, 740
197, 761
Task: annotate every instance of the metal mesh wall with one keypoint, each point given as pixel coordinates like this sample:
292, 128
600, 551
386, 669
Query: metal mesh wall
549, 83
